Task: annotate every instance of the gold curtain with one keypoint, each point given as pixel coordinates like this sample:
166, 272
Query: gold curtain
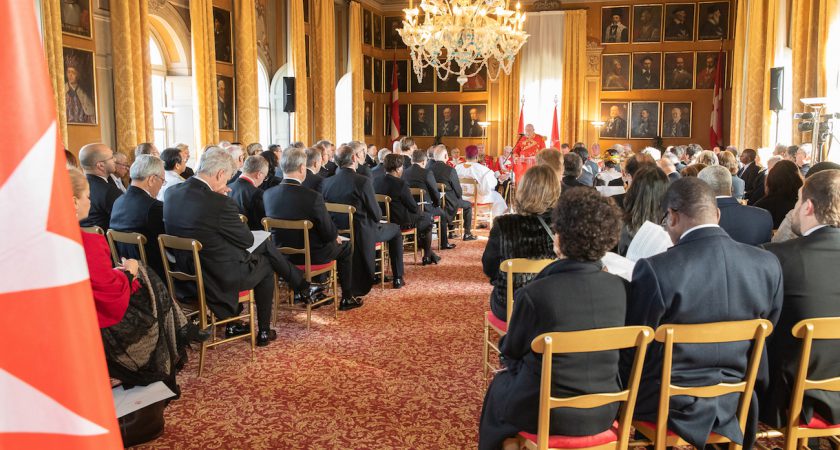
204, 73
755, 43
505, 105
298, 59
51, 23
132, 74
245, 43
573, 106
323, 83
356, 68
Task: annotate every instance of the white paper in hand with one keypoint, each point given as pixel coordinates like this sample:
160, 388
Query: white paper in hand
128, 401
651, 239
618, 265
259, 237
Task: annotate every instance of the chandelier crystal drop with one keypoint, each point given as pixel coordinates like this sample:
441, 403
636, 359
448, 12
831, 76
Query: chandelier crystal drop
460, 37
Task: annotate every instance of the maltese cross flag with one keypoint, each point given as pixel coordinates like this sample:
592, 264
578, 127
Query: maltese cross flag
54, 388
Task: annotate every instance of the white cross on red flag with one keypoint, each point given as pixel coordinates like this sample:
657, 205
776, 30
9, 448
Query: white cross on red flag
54, 388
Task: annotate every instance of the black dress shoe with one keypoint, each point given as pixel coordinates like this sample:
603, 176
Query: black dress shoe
265, 337
470, 237
426, 261
310, 295
398, 282
435, 258
448, 246
377, 279
349, 303
237, 329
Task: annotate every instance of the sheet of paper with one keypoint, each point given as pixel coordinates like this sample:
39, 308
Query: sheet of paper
618, 265
609, 191
651, 239
343, 238
259, 237
128, 401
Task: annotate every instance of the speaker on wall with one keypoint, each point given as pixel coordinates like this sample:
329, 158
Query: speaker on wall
777, 88
288, 94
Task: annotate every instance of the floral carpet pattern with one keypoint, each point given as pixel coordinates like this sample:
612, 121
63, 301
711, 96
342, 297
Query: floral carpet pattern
402, 372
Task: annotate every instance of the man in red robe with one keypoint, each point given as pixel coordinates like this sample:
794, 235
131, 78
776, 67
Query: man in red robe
529, 144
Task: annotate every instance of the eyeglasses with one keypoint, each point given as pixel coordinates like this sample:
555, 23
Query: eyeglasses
162, 180
123, 165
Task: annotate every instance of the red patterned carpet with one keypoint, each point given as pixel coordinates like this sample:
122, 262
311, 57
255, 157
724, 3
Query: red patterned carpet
404, 371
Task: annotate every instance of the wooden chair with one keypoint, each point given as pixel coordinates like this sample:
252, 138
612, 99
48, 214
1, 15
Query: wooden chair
420, 195
206, 317
705, 333
472, 197
381, 248
512, 267
598, 340
409, 233
309, 270
137, 239
458, 220
96, 229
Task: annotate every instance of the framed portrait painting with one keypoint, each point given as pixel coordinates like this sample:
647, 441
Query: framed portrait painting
403, 119
448, 120
471, 115
647, 23
707, 63
679, 21
422, 120
614, 116
222, 35
79, 86
615, 72
368, 118
477, 82
676, 119
615, 22
644, 120
76, 18
647, 71
378, 84
712, 21
367, 28
224, 101
679, 70
402, 75
428, 83
392, 35
377, 31
367, 62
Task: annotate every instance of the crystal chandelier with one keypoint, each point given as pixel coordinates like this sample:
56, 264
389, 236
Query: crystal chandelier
460, 37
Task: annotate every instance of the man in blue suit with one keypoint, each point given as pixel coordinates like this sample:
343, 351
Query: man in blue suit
745, 224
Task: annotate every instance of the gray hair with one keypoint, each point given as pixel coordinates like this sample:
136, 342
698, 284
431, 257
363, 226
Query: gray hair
181, 146
672, 158
255, 164
718, 178
679, 150
313, 155
654, 152
708, 158
224, 144
344, 156
396, 146
144, 148
382, 154
441, 154
214, 160
357, 146
292, 159
145, 166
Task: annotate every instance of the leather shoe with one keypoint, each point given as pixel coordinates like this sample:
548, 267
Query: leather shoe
377, 279
310, 295
427, 261
398, 282
470, 237
237, 329
265, 337
349, 303
435, 258
448, 246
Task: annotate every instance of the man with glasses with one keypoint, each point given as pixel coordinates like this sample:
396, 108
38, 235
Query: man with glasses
98, 162
120, 171
173, 164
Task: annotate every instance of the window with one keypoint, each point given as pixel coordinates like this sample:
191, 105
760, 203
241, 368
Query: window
263, 100
161, 116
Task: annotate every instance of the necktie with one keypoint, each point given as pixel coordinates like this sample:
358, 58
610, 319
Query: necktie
112, 182
674, 129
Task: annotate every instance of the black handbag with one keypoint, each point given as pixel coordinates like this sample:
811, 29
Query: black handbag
144, 425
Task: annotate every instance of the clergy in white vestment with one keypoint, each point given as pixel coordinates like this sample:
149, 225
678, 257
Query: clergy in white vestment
485, 178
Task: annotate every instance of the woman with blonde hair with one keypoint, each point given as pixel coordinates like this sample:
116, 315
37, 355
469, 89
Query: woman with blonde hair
551, 158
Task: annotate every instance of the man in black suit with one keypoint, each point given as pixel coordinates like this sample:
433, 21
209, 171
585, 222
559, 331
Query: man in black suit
404, 210
361, 153
809, 264
197, 209
349, 188
379, 169
290, 200
452, 192
407, 146
417, 176
98, 162
668, 163
370, 156
703, 278
313, 179
328, 166
676, 126
139, 211
644, 76
749, 171
745, 224
616, 126
246, 193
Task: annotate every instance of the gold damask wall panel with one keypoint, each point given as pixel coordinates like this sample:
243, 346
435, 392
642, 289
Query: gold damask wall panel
204, 72
51, 22
573, 104
245, 54
356, 68
298, 59
323, 22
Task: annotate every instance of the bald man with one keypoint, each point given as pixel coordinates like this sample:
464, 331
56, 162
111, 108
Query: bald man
98, 163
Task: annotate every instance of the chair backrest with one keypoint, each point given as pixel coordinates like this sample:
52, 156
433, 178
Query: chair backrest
442, 189
597, 340
167, 242
471, 194
419, 194
137, 239
96, 229
340, 208
810, 330
304, 226
755, 330
520, 266
243, 219
385, 200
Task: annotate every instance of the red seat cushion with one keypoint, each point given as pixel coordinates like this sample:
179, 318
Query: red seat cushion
818, 423
496, 322
378, 245
410, 230
436, 217
316, 266
558, 441
670, 433
244, 293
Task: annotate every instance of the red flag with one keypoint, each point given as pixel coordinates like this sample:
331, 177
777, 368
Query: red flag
395, 103
521, 129
53, 380
716, 126
555, 130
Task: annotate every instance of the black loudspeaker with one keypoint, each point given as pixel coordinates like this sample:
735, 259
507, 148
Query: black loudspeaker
288, 94
777, 89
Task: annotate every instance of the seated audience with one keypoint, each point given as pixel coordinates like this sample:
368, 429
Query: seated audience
97, 160
573, 293
278, 153
692, 170
138, 210
185, 157
642, 203
121, 166
417, 176
247, 193
612, 170
800, 156
173, 164
361, 151
313, 179
553, 159
705, 277
782, 189
521, 235
692, 153
485, 179
590, 168
270, 180
572, 168
668, 163
447, 176
146, 148
707, 157
745, 224
349, 188
749, 171
253, 149
730, 162
370, 156
407, 146
680, 151
809, 265
379, 170
503, 168
328, 166
631, 165
235, 152
404, 209
784, 232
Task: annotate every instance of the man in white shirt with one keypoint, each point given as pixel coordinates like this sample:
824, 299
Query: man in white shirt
486, 181
173, 164
120, 170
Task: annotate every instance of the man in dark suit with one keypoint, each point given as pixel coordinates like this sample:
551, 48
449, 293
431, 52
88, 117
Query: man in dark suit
676, 126
668, 163
703, 278
349, 188
328, 166
407, 146
246, 193
97, 160
197, 209
809, 264
616, 126
644, 76
447, 175
379, 169
404, 210
370, 155
745, 224
417, 176
313, 179
361, 153
290, 200
139, 211
749, 171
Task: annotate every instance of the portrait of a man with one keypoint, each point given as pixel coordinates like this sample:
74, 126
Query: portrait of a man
713, 22
422, 120
679, 70
614, 22
448, 120
614, 116
403, 120
377, 31
224, 102
392, 35
470, 117
477, 82
428, 83
222, 35
79, 86
450, 84
679, 22
402, 75
75, 17
647, 23
646, 70
367, 62
676, 119
644, 120
707, 63
615, 72
368, 118
378, 86
367, 28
